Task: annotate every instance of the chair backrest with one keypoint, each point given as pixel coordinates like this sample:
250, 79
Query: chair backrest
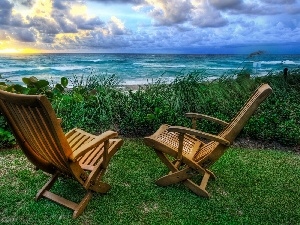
231, 131
213, 150
37, 130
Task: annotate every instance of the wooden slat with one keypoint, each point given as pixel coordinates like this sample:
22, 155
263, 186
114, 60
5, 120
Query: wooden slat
38, 134
83, 140
54, 151
75, 138
92, 154
65, 202
99, 154
70, 133
21, 116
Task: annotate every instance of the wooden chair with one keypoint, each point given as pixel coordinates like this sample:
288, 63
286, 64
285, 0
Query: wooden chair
76, 154
191, 155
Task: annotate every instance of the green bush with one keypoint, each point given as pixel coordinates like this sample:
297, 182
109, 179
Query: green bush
96, 103
6, 137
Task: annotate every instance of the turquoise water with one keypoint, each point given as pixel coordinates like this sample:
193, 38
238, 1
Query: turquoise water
138, 68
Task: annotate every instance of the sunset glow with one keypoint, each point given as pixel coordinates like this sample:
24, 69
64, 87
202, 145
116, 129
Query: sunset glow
9, 50
18, 51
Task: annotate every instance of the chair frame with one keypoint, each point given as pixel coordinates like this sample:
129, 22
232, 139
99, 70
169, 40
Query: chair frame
77, 154
192, 156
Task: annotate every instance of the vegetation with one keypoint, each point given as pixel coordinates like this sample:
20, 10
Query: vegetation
97, 103
252, 187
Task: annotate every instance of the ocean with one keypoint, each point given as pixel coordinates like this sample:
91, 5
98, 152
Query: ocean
136, 69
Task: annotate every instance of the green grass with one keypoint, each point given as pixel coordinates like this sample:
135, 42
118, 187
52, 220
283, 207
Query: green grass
252, 187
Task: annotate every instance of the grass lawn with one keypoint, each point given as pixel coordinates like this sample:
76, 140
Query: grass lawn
252, 187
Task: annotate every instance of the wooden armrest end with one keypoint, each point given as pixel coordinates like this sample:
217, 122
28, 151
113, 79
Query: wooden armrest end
203, 116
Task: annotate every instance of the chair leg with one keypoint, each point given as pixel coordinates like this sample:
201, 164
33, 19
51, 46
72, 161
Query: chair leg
82, 205
175, 177
100, 187
198, 190
184, 175
47, 186
77, 208
166, 161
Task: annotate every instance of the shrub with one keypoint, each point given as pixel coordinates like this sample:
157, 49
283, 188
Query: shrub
96, 104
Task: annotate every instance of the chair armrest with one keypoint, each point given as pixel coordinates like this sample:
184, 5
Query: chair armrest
198, 133
202, 116
90, 145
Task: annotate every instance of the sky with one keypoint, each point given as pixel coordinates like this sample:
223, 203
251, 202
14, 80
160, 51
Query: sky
150, 26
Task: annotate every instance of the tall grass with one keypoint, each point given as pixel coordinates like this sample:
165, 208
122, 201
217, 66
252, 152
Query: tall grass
96, 103
103, 106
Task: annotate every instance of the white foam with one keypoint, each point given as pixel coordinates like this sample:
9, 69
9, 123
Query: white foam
157, 65
66, 68
280, 62
9, 70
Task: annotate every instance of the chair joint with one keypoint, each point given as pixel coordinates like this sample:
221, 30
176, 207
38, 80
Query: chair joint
83, 176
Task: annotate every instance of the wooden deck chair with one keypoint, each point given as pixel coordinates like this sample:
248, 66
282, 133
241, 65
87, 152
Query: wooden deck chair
76, 154
191, 155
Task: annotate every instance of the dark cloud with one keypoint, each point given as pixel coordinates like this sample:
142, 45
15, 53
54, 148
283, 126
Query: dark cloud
294, 10
47, 38
17, 21
58, 4
5, 4
87, 24
284, 2
23, 35
61, 18
256, 9
214, 19
119, 1
66, 26
5, 12
27, 3
44, 25
226, 4
106, 42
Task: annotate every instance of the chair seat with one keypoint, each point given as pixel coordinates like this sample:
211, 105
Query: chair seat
77, 137
168, 142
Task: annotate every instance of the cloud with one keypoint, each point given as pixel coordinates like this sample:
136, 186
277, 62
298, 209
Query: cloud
167, 13
3, 35
185, 14
45, 25
58, 4
156, 24
115, 26
204, 15
28, 3
5, 12
66, 25
226, 4
119, 1
280, 1
86, 23
23, 35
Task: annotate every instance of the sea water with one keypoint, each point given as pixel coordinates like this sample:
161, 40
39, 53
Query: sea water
135, 69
